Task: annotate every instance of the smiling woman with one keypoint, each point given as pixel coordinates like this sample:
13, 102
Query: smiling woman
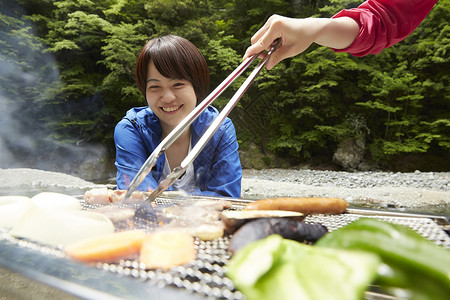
173, 76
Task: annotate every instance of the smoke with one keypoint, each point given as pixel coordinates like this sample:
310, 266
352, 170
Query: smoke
27, 75
14, 78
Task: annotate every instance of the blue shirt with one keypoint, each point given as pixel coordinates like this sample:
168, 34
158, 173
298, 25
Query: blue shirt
218, 170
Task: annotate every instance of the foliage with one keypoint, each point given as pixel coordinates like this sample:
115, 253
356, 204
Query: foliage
73, 63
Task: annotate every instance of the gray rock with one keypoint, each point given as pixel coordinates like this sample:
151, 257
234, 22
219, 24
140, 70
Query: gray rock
350, 153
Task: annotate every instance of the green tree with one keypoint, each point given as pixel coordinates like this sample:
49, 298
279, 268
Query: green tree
75, 60
397, 100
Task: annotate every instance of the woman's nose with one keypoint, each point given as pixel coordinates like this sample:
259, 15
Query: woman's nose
168, 95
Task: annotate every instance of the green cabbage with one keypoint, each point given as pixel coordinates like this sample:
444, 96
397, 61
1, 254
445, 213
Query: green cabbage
277, 268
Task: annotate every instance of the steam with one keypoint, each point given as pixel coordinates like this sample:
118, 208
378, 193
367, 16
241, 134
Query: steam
27, 71
14, 80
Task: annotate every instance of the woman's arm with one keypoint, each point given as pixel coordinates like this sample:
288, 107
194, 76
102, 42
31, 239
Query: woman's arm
130, 156
383, 23
367, 29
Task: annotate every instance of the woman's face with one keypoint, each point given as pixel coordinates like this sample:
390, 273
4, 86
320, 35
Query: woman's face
170, 99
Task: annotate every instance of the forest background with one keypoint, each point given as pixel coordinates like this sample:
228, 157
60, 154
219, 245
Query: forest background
67, 78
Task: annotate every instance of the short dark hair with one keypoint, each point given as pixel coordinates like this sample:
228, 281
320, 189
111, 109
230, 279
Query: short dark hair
174, 57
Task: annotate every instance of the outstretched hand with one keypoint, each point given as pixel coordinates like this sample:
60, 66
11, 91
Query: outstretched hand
296, 35
294, 38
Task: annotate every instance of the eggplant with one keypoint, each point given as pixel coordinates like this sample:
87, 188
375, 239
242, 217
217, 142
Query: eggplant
287, 228
234, 219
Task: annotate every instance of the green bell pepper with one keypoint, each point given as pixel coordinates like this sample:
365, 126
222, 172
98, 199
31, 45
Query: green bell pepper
414, 266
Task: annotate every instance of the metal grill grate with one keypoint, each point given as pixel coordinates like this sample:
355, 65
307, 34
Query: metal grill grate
206, 275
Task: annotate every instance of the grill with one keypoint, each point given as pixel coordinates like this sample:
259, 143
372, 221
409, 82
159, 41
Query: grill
205, 277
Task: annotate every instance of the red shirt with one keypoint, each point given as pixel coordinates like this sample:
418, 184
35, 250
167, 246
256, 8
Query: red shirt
382, 23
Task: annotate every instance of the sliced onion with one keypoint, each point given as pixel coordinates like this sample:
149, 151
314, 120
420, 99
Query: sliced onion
56, 201
12, 208
61, 227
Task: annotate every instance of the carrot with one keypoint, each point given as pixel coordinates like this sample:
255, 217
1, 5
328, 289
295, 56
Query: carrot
108, 248
307, 206
165, 249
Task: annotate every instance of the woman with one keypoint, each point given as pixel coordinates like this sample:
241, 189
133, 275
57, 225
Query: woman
173, 76
367, 29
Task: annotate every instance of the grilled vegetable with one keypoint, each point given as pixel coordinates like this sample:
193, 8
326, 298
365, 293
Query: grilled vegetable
233, 219
114, 213
61, 226
201, 221
307, 206
276, 268
12, 208
206, 232
416, 265
166, 249
54, 201
289, 229
213, 204
108, 248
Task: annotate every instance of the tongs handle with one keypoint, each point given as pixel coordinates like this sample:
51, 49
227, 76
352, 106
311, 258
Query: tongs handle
189, 119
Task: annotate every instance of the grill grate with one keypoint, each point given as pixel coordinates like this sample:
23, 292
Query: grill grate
424, 226
206, 275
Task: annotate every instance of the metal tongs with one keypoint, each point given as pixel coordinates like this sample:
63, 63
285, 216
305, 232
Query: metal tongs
189, 119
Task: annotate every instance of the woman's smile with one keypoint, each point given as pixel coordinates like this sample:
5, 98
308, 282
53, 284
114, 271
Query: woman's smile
169, 109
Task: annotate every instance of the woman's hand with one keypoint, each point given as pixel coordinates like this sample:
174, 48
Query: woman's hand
297, 35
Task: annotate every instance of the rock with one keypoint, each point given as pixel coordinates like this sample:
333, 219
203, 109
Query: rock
350, 153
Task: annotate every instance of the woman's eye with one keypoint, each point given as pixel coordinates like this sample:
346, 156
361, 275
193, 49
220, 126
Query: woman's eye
178, 84
152, 87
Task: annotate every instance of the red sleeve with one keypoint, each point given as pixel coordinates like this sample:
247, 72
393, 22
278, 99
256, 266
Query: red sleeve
383, 23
